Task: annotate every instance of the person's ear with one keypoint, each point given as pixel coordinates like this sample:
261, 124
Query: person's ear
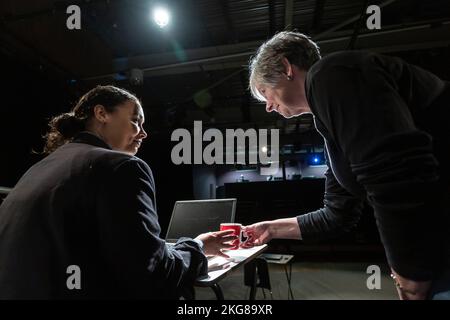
288, 68
101, 114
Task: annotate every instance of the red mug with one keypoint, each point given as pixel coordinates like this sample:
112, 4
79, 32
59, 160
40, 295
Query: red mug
237, 227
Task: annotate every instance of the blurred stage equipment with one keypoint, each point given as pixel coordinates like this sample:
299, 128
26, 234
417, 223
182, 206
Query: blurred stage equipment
136, 77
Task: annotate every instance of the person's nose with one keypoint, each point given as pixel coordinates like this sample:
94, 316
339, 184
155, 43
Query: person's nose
269, 106
142, 133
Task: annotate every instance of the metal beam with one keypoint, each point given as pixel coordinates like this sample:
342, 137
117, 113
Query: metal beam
235, 56
57, 7
346, 22
357, 26
318, 14
245, 103
288, 14
272, 18
229, 23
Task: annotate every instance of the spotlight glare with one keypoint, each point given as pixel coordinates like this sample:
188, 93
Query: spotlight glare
264, 149
161, 16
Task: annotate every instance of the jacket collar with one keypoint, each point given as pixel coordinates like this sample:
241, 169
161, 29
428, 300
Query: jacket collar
90, 138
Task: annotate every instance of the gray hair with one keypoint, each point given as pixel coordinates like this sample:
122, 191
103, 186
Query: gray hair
266, 67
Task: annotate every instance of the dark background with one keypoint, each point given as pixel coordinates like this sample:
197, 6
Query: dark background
204, 52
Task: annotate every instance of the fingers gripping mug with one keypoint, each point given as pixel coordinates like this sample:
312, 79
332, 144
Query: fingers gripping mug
243, 237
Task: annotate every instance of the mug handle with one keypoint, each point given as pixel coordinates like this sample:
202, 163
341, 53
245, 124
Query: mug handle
247, 235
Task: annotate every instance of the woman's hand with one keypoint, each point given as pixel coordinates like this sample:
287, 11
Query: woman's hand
214, 242
409, 289
257, 234
262, 232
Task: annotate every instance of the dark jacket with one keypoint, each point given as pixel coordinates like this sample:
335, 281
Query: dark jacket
385, 125
92, 207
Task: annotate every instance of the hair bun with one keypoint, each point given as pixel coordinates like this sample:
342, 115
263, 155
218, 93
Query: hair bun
67, 125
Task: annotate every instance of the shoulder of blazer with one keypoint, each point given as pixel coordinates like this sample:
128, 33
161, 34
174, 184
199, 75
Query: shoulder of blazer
110, 160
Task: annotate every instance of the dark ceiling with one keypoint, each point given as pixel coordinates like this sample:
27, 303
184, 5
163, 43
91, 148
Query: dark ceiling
196, 68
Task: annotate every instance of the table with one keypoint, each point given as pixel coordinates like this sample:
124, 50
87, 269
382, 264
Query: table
282, 259
220, 267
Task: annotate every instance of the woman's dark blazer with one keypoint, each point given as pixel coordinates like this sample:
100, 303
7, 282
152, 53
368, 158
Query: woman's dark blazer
82, 223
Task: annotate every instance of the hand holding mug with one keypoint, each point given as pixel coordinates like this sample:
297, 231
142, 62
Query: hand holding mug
215, 242
259, 234
237, 229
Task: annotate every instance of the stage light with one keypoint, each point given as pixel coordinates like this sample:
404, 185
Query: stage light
161, 16
315, 159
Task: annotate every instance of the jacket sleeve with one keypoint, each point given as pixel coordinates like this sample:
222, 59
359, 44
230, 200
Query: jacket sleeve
340, 213
142, 263
390, 158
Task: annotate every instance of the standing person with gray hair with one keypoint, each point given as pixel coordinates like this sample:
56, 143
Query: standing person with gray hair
90, 205
387, 142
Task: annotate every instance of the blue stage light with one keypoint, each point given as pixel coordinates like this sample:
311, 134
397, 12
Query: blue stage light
315, 159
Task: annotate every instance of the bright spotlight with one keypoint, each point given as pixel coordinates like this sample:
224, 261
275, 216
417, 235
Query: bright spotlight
264, 149
161, 17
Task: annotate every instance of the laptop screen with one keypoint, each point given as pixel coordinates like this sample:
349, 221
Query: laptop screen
191, 218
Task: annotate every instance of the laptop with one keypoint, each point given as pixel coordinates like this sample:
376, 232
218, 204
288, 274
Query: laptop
193, 217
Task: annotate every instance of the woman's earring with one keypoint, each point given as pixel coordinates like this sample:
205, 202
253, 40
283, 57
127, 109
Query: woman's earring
289, 77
